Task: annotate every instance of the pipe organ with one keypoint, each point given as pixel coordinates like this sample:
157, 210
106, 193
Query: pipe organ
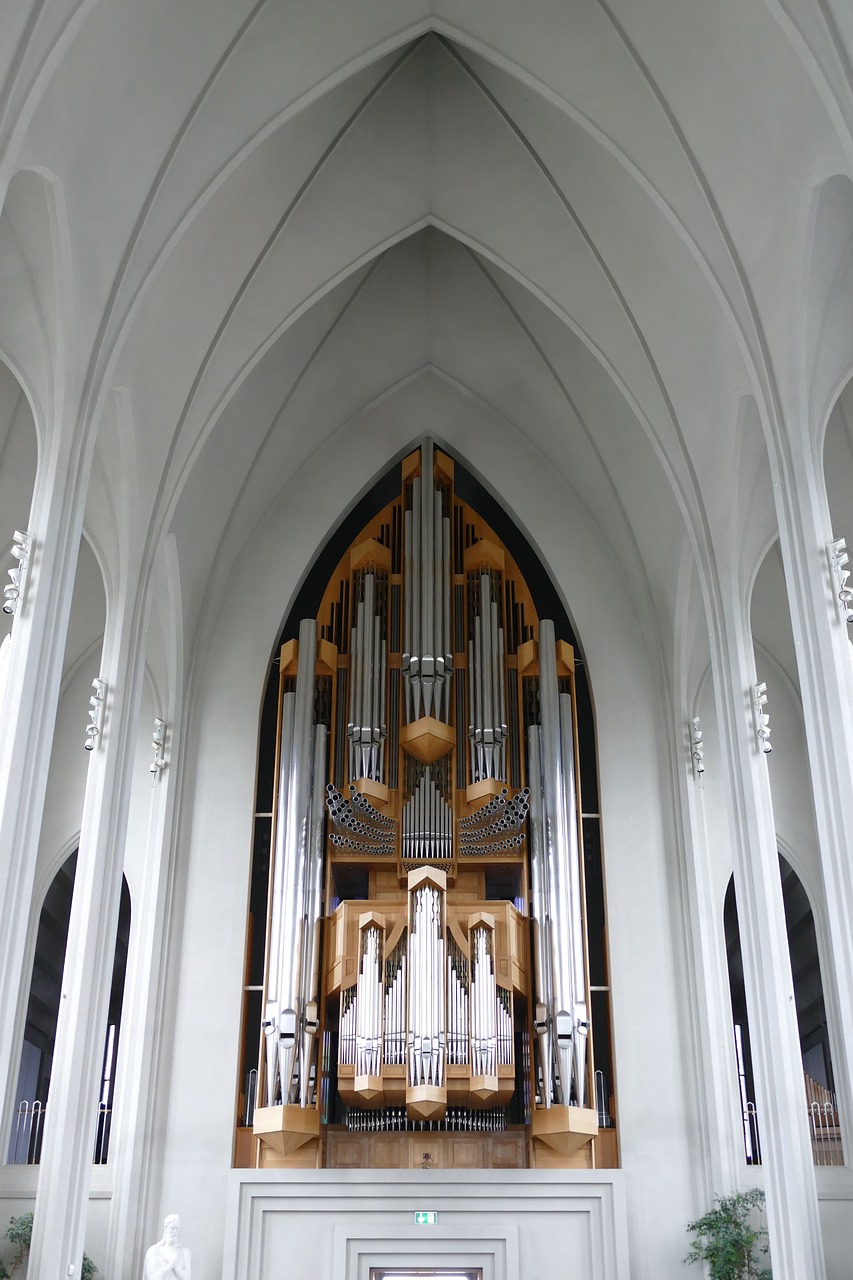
426, 968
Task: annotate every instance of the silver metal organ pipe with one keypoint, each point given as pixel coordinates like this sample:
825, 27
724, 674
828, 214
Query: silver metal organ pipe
296, 819
414, 1016
505, 1037
364, 631
365, 645
438, 994
402, 1007
383, 707
273, 999
472, 710
419, 819
557, 855
540, 910
580, 1012
427, 651
480, 722
497, 681
502, 702
369, 990
310, 985
376, 692
429, 820
447, 648
437, 649
366, 726
407, 823
415, 594
427, 660
352, 720
420, 813
346, 1041
426, 963
486, 663
426, 976
371, 629
355, 685
408, 640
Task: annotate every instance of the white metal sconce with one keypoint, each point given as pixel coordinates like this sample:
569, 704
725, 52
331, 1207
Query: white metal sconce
697, 748
761, 718
14, 589
96, 713
158, 742
836, 552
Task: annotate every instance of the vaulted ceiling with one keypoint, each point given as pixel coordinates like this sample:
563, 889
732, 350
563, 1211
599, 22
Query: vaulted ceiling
233, 231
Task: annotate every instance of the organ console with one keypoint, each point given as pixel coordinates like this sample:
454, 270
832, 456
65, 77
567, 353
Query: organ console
426, 976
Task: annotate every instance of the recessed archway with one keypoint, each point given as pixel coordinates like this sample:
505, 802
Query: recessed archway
457, 772
811, 1019
36, 1060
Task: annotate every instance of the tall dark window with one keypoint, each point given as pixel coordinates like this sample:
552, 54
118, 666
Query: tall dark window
34, 1075
811, 1020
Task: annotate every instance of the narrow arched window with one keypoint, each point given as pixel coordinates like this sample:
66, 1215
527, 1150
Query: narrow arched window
34, 1075
811, 1022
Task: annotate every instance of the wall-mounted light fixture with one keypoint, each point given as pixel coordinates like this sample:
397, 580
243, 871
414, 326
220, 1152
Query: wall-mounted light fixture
836, 552
96, 713
158, 742
15, 589
761, 718
697, 747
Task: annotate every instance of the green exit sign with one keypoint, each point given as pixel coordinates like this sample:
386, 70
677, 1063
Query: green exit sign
426, 1217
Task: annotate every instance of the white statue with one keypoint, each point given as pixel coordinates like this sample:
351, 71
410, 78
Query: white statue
168, 1259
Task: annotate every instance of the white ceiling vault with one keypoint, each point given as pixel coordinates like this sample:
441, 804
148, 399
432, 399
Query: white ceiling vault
621, 230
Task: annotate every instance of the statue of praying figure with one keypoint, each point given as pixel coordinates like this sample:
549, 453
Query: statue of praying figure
168, 1259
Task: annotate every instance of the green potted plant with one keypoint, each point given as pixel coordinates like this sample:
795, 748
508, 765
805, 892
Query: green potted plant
727, 1239
20, 1233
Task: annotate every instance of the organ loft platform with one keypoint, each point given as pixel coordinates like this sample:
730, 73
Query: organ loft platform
426, 997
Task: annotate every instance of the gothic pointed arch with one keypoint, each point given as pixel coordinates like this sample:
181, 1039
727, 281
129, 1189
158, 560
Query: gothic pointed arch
426, 948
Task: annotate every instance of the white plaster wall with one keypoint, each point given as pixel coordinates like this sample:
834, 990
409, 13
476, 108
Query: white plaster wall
835, 1192
17, 1196
328, 1224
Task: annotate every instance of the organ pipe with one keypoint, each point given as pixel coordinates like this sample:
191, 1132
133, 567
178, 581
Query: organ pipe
427, 823
426, 1026
366, 728
484, 1031
312, 918
290, 1020
425, 842
573, 868
369, 1002
272, 1012
541, 922
427, 662
395, 1005
560, 846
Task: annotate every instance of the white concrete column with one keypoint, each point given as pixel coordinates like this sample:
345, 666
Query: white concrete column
27, 720
66, 1157
792, 1207
142, 1015
826, 683
718, 1104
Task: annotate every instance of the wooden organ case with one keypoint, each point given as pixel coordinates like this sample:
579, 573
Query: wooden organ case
426, 999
